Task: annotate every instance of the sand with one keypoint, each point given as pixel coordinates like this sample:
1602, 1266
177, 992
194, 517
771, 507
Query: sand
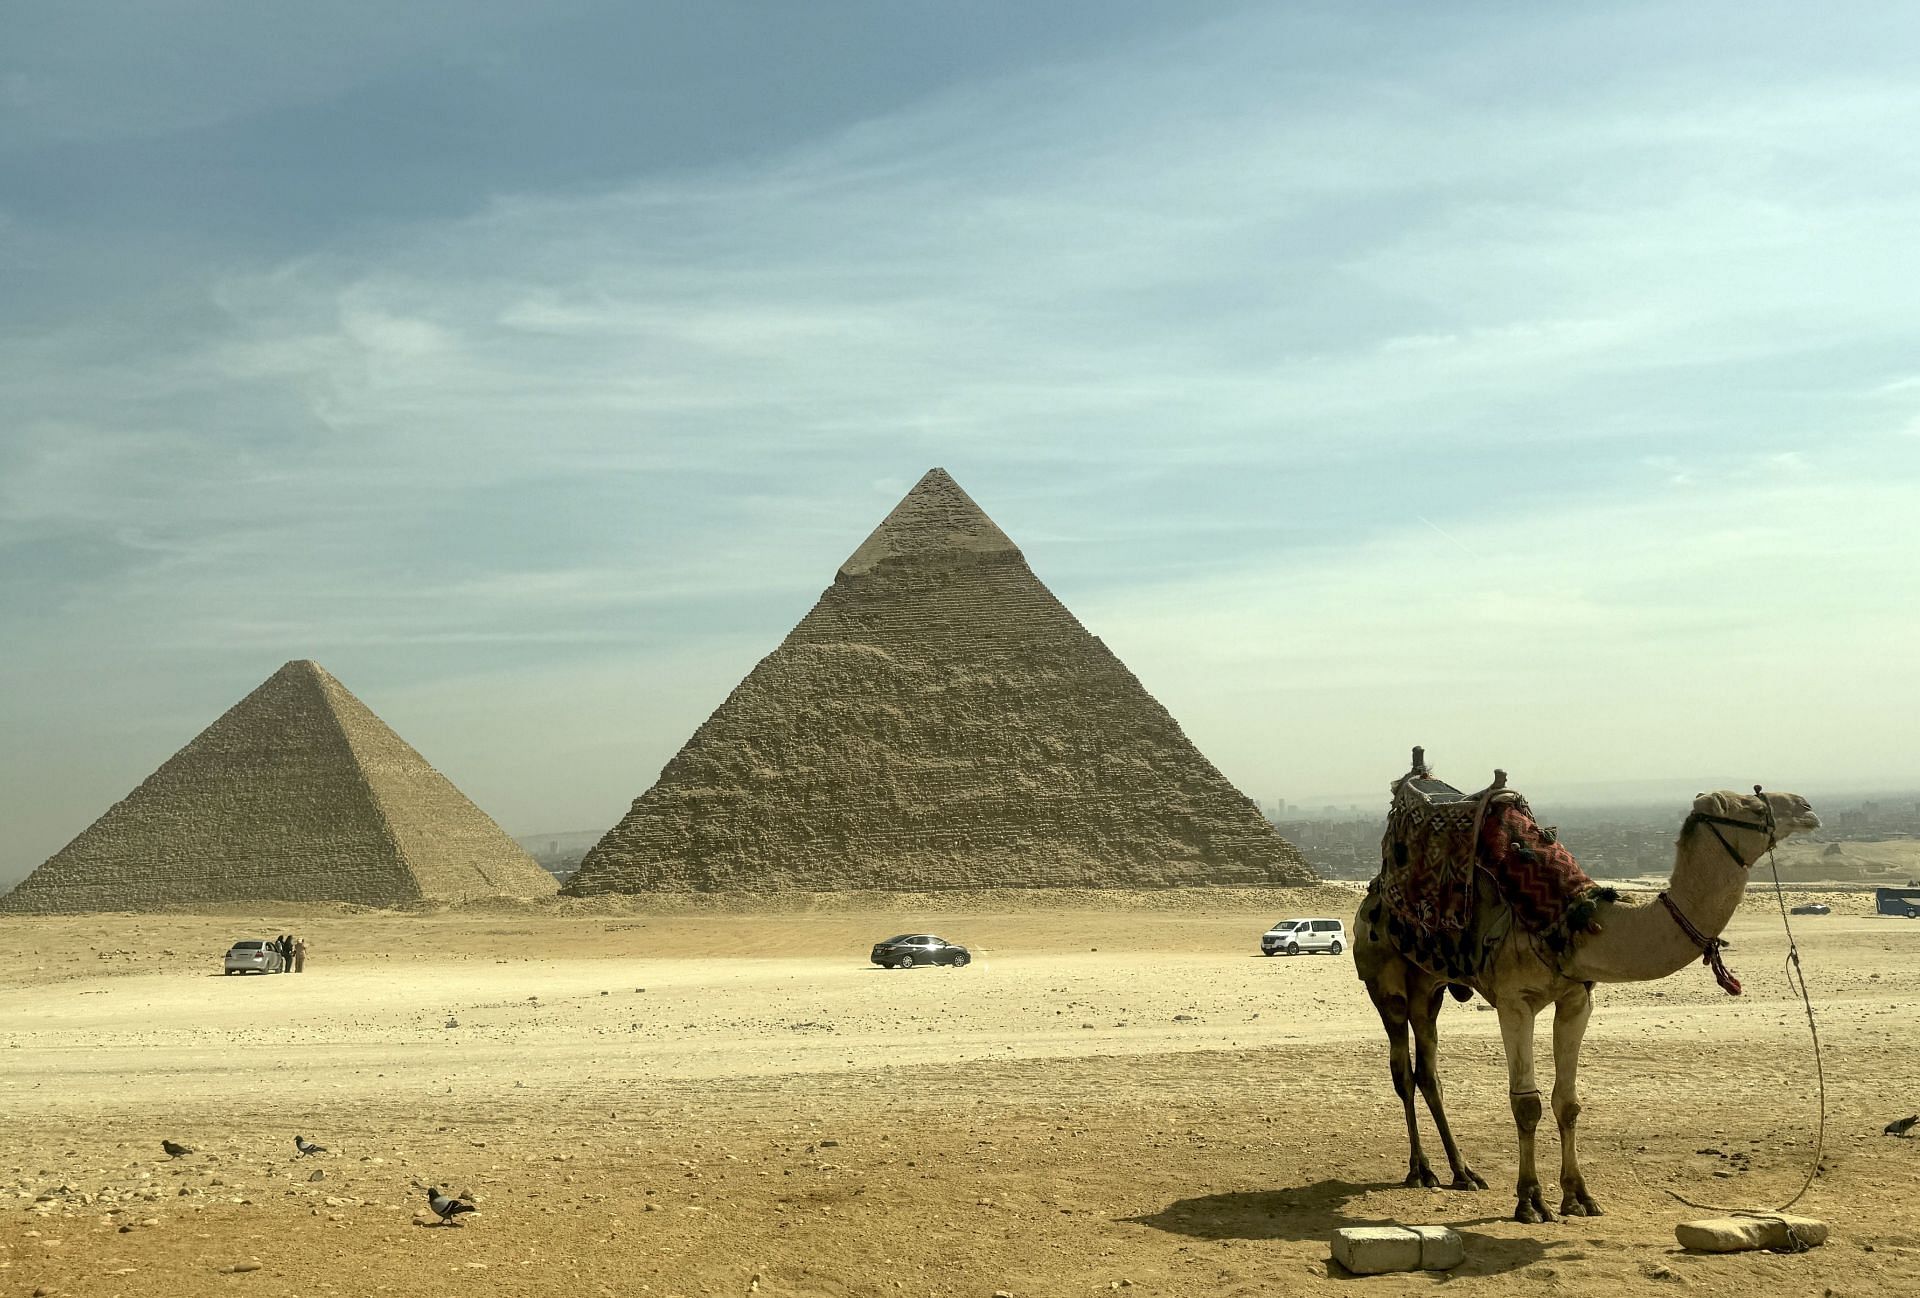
1118, 1097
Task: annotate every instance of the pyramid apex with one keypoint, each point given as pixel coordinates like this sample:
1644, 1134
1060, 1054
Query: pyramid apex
935, 517
303, 675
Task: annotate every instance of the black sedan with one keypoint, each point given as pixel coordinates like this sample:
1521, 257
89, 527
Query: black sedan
910, 949
1812, 908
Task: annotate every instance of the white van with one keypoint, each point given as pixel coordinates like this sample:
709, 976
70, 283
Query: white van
1295, 936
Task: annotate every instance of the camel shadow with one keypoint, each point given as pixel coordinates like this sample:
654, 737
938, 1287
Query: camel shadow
1311, 1213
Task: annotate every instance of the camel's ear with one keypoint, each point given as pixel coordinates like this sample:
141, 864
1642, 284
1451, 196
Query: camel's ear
1710, 804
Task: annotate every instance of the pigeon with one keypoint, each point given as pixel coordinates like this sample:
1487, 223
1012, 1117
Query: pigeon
1901, 1127
174, 1150
303, 1147
447, 1206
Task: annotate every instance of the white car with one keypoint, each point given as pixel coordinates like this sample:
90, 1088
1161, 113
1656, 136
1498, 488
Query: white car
1296, 936
254, 956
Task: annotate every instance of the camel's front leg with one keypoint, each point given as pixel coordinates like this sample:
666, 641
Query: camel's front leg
1569, 1026
1516, 1032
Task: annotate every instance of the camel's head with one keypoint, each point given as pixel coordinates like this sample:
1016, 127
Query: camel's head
1782, 813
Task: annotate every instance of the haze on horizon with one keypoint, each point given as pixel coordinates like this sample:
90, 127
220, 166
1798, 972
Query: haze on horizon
1539, 385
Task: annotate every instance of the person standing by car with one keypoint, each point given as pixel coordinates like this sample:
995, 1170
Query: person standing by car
299, 955
285, 947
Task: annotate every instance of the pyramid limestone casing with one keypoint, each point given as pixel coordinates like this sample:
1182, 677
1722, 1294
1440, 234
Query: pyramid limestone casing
298, 793
938, 721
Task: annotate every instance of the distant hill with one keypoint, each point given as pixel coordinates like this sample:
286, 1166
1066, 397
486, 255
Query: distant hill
1888, 863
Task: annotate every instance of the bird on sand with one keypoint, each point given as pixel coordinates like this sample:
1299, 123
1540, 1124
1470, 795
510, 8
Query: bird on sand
447, 1206
1901, 1127
174, 1150
302, 1146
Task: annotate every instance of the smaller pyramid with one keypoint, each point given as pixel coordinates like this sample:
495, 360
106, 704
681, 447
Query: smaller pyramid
298, 793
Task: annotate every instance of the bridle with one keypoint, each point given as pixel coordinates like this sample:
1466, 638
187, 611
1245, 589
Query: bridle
1769, 827
1710, 946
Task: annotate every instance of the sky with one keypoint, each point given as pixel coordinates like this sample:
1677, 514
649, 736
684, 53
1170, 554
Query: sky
1540, 384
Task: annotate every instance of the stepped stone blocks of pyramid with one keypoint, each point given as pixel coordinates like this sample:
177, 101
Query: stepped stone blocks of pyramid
298, 793
938, 721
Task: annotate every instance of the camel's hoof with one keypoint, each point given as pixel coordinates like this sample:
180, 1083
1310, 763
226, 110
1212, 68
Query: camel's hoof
1579, 1205
1422, 1176
1468, 1179
1531, 1209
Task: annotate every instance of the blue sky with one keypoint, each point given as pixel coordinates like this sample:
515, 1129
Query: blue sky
1540, 384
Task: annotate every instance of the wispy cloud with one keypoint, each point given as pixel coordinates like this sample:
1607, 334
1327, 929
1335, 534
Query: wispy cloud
1746, 625
1556, 357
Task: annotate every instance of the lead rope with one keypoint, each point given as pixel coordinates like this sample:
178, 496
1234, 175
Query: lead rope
1797, 979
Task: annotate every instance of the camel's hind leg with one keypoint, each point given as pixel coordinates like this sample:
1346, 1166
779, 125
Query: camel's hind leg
1427, 994
1387, 986
1569, 1027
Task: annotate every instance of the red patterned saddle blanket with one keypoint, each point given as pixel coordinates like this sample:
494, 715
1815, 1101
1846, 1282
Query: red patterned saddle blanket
1438, 840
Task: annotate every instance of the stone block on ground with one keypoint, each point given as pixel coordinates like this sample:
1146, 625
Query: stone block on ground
1780, 1232
1441, 1249
1377, 1250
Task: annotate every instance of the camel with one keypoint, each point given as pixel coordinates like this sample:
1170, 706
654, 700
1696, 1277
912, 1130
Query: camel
1726, 834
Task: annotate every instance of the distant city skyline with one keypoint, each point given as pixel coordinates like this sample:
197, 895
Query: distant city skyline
1535, 384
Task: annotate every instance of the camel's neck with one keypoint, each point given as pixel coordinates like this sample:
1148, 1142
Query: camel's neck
1644, 942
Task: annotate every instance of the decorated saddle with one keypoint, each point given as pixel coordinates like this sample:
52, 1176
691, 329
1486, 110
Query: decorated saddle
1459, 870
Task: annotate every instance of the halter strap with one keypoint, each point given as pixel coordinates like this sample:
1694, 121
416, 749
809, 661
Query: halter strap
1710, 946
1768, 827
1764, 826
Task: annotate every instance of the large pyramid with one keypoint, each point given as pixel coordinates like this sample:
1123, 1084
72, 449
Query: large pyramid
938, 721
298, 793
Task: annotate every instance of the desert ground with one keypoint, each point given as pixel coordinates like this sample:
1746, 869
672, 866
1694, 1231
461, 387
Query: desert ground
1119, 1095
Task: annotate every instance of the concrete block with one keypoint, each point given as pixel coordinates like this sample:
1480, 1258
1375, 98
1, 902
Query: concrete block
1781, 1232
1441, 1249
1376, 1250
